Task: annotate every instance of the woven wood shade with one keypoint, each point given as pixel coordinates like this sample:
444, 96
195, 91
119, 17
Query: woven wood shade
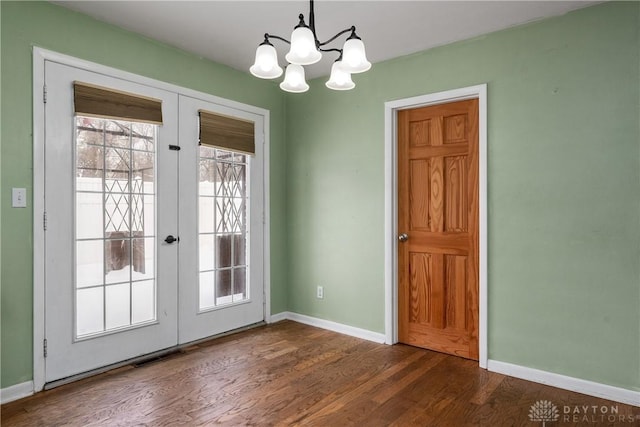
226, 132
97, 101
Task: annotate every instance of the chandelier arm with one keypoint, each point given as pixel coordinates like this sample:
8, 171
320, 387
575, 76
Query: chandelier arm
271, 36
352, 29
312, 20
333, 50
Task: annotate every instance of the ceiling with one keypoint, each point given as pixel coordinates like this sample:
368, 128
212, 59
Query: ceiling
228, 32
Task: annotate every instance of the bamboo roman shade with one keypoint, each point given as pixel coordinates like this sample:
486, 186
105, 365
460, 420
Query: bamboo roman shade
97, 101
226, 132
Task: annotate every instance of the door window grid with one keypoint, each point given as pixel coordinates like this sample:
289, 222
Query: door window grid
223, 233
115, 232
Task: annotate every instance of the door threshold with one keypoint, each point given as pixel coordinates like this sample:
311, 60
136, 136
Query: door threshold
144, 359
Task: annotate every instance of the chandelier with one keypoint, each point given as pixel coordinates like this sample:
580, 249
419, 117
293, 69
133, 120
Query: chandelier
306, 49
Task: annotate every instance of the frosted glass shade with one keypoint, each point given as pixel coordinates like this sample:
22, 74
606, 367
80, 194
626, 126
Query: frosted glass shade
354, 58
266, 63
303, 47
294, 79
339, 79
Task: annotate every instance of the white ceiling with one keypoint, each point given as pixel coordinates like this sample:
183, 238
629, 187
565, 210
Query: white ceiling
228, 32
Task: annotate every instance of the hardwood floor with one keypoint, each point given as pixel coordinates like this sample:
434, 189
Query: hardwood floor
292, 374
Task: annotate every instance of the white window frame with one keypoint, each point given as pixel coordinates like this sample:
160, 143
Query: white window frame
39, 57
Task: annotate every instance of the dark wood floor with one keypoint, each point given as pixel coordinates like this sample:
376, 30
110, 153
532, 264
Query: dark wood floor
292, 374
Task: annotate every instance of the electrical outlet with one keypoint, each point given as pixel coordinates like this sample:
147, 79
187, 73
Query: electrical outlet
19, 197
320, 292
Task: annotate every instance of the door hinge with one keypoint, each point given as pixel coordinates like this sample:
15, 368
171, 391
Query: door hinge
174, 147
44, 94
44, 346
44, 220
264, 306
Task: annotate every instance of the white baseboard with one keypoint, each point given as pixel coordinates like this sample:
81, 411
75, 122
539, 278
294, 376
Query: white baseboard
578, 385
278, 317
16, 392
331, 326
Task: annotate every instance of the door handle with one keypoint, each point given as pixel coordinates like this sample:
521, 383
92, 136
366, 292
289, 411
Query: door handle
403, 237
170, 239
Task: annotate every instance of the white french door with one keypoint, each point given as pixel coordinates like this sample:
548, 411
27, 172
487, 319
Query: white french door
110, 195
115, 285
221, 220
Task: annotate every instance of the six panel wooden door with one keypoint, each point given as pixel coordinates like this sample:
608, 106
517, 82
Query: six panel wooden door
438, 213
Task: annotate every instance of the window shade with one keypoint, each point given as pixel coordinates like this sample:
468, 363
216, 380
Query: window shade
97, 101
226, 132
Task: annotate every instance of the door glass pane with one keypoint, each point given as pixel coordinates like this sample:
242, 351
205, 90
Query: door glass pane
89, 263
117, 170
115, 224
116, 212
208, 174
89, 209
117, 133
223, 232
143, 172
239, 255
223, 249
224, 287
239, 285
206, 252
143, 301
117, 305
142, 263
117, 257
205, 219
207, 293
90, 310
148, 215
142, 137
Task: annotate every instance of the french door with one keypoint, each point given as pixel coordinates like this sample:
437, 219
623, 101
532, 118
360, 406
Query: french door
151, 240
221, 221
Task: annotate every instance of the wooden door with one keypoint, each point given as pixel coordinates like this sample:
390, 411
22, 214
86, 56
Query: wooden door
438, 213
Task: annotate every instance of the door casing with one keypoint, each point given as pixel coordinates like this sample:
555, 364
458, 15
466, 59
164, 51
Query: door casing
39, 57
391, 205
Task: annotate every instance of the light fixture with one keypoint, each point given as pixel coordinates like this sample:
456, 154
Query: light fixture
306, 49
294, 79
339, 79
266, 65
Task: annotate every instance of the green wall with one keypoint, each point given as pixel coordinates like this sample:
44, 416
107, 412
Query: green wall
563, 190
564, 179
27, 24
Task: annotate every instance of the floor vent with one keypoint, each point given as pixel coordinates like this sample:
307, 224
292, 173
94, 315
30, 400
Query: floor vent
157, 358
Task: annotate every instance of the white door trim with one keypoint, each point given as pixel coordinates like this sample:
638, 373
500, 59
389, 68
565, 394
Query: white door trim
39, 57
391, 205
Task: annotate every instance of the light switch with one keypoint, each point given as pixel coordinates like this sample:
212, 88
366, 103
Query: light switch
19, 197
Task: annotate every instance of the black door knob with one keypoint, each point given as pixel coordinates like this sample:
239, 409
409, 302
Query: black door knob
171, 239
